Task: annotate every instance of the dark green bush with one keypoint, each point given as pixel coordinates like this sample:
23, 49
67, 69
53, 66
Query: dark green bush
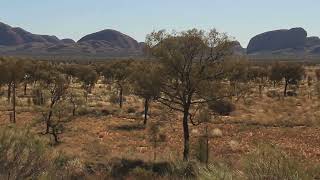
222, 107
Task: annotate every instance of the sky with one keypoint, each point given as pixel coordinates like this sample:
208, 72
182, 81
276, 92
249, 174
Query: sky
240, 19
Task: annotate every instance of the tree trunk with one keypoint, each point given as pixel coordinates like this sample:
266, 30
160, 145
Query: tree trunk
9, 92
55, 135
146, 108
14, 102
86, 96
25, 89
285, 88
260, 90
74, 110
121, 97
155, 150
207, 144
48, 121
186, 134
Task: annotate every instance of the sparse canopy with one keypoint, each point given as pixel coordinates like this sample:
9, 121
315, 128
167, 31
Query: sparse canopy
291, 73
118, 73
146, 82
191, 69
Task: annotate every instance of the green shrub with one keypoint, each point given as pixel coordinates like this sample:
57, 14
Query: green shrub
22, 155
66, 167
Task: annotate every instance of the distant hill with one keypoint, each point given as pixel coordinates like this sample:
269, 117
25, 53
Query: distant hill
284, 43
111, 38
106, 43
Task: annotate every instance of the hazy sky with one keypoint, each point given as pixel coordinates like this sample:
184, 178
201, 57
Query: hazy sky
241, 19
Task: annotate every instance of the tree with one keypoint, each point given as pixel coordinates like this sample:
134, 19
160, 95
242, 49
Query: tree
118, 73
75, 100
146, 83
56, 84
292, 74
237, 69
191, 70
12, 73
258, 75
275, 74
88, 76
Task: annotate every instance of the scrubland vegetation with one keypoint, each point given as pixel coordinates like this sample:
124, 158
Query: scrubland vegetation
191, 111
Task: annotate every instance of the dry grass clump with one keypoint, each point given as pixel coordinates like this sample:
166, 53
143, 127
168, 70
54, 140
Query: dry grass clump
268, 162
22, 155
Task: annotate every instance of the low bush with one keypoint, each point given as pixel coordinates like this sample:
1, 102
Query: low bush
222, 107
22, 155
114, 98
131, 110
216, 171
269, 162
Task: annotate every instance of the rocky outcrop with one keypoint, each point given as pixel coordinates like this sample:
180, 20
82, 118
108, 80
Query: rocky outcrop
68, 41
8, 37
112, 38
313, 41
17, 41
277, 40
13, 36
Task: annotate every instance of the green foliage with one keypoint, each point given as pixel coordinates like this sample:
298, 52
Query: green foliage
88, 76
191, 69
22, 155
11, 70
146, 80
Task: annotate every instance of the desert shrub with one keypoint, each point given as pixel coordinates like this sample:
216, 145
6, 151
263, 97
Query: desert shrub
202, 149
115, 99
184, 170
141, 173
22, 155
138, 169
216, 171
273, 94
84, 111
105, 112
222, 107
38, 97
66, 167
131, 110
268, 162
